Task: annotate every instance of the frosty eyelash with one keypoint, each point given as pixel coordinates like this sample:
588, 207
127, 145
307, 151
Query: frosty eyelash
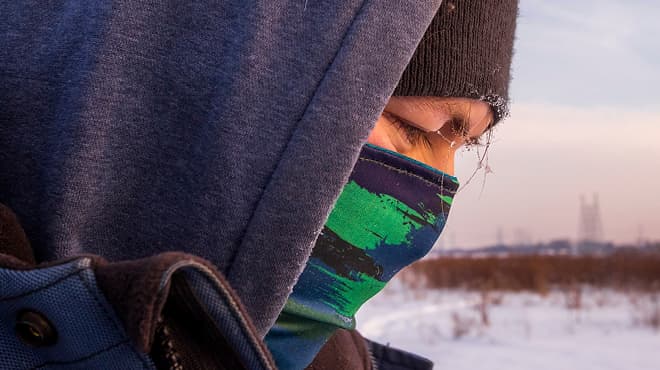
460, 127
416, 135
413, 134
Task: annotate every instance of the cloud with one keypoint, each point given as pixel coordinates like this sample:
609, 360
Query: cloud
588, 53
585, 119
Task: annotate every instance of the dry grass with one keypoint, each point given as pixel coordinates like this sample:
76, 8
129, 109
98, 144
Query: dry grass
462, 325
646, 313
540, 273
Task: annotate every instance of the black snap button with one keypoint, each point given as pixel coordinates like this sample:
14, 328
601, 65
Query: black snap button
34, 329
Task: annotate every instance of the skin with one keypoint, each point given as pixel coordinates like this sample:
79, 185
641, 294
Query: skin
431, 129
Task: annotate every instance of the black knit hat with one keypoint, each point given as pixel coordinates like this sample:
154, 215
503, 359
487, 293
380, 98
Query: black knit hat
465, 52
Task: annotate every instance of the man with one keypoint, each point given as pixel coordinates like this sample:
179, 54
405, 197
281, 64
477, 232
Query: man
225, 130
398, 196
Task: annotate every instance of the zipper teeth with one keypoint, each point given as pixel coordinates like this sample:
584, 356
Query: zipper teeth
374, 363
167, 344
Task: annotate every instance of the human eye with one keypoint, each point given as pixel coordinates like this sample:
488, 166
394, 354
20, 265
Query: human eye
460, 128
413, 134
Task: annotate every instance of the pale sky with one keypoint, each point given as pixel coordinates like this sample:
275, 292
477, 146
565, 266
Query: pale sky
585, 119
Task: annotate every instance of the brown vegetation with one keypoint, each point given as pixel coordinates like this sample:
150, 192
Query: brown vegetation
540, 273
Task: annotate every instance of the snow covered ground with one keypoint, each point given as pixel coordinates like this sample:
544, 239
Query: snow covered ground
580, 329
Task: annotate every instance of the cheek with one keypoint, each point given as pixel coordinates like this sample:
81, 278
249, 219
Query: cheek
440, 154
380, 136
442, 159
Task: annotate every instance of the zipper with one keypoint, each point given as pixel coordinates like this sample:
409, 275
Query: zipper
372, 358
165, 355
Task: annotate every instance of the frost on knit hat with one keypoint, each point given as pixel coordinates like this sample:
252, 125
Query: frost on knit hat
465, 52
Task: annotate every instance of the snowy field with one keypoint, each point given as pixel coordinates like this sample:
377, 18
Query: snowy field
580, 329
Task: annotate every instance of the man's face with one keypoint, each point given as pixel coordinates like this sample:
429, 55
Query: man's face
431, 129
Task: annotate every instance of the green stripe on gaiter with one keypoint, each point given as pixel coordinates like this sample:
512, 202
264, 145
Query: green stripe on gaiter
348, 295
353, 221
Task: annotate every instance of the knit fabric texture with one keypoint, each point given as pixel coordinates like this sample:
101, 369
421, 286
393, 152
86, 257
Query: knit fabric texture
222, 129
465, 52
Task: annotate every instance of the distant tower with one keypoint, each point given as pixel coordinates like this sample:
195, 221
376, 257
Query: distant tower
641, 240
522, 237
499, 236
590, 226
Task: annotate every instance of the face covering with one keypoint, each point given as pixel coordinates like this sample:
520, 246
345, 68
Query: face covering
389, 214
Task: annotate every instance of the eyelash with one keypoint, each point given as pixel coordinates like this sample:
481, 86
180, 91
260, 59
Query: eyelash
459, 128
415, 135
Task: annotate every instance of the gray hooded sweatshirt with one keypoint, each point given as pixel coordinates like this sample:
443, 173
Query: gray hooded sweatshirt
225, 129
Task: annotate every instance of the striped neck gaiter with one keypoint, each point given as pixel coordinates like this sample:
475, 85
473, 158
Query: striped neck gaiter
389, 215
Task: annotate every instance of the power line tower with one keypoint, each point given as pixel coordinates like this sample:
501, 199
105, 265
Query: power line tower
590, 226
641, 240
499, 236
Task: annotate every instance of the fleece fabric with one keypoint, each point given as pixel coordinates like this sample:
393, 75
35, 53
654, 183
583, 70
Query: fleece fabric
224, 129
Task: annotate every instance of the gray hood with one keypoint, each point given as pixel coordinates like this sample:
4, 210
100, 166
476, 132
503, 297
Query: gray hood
224, 129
